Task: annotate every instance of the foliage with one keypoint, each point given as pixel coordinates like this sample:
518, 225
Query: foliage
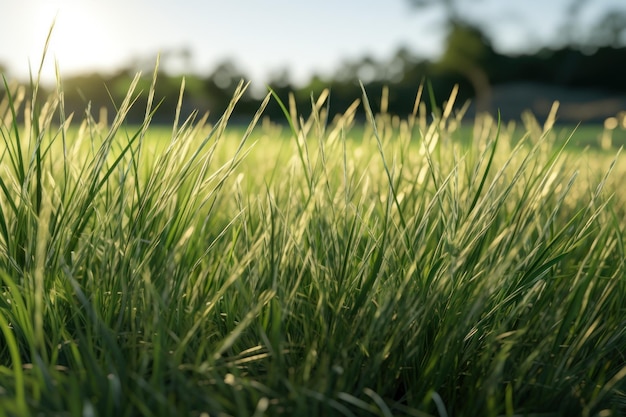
468, 60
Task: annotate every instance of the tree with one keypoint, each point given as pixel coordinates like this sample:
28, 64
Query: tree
450, 7
466, 49
610, 29
466, 53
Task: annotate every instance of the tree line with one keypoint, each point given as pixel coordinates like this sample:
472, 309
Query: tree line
469, 59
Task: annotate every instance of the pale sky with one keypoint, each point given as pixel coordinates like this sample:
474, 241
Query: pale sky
261, 37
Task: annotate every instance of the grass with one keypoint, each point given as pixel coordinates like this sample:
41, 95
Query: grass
405, 271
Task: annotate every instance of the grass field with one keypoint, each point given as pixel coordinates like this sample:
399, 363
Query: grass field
405, 267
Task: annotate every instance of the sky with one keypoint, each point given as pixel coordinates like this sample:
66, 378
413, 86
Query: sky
261, 37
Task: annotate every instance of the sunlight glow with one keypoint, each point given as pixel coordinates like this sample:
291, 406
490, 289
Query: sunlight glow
81, 39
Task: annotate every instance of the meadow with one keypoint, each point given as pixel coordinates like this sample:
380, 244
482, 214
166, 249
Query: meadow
401, 267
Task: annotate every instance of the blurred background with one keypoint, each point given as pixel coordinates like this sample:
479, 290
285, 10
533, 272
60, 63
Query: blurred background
511, 56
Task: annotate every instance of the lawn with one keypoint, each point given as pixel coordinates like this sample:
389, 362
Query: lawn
312, 267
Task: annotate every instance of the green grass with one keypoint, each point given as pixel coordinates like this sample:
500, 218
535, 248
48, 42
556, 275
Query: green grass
393, 269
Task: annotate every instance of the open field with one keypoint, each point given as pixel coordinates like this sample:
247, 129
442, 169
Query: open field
406, 267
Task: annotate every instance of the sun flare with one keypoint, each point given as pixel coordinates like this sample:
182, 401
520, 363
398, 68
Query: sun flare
80, 39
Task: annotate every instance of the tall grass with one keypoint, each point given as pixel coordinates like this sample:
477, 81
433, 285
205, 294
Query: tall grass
402, 273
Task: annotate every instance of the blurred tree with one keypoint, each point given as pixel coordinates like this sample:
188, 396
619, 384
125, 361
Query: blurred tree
610, 29
87, 91
177, 60
219, 86
280, 78
570, 30
467, 52
400, 63
280, 83
226, 75
368, 69
467, 47
347, 71
451, 9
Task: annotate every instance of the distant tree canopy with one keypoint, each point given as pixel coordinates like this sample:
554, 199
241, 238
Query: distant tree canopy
608, 30
468, 59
